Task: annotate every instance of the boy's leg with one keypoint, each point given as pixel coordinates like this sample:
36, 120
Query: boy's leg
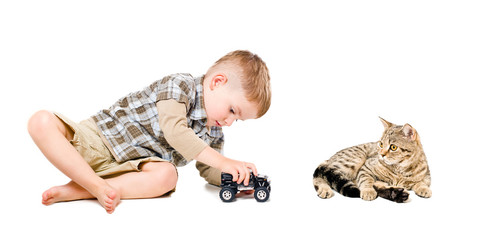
52, 137
155, 179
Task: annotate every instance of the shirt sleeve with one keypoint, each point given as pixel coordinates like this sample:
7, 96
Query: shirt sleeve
173, 122
210, 174
178, 87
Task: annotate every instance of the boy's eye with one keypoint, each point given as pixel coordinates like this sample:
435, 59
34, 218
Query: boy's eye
232, 111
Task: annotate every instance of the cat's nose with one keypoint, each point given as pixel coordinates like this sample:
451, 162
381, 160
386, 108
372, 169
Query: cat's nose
383, 153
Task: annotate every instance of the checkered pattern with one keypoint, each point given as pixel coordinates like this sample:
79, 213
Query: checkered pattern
131, 125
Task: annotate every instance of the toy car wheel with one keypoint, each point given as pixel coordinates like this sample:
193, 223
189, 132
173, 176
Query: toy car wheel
261, 194
227, 194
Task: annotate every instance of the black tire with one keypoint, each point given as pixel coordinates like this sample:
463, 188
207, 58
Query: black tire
227, 194
261, 194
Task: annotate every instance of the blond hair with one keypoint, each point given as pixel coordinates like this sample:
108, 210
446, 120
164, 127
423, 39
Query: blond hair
255, 78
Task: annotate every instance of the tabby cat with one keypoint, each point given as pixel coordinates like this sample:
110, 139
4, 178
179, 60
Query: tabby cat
387, 168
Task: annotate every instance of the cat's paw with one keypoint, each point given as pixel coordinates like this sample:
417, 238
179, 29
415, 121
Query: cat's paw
368, 194
423, 191
395, 194
324, 191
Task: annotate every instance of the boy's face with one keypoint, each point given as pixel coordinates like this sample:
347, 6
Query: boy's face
225, 102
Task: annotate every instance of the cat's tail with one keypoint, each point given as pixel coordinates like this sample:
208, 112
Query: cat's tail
326, 177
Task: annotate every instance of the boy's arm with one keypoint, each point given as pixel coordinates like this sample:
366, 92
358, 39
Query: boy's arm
238, 169
173, 122
212, 175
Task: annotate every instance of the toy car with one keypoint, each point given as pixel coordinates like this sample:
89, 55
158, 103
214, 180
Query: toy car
260, 184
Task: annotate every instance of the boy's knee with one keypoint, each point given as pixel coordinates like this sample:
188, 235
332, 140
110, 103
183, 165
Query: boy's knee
39, 121
168, 180
44, 122
165, 175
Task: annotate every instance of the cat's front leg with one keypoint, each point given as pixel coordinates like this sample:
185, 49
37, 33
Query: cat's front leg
422, 189
365, 184
392, 193
368, 194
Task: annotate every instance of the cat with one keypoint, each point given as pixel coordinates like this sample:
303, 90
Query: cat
388, 168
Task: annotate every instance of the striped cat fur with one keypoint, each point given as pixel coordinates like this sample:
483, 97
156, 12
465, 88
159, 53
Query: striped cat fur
387, 168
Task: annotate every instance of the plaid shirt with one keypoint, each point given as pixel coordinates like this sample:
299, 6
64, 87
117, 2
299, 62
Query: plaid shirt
131, 125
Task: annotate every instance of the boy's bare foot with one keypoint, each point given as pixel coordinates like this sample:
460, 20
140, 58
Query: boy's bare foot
51, 196
68, 192
108, 197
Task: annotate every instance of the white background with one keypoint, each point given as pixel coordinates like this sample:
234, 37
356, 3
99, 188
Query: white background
335, 66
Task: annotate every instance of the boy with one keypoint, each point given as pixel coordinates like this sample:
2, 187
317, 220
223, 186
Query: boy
131, 150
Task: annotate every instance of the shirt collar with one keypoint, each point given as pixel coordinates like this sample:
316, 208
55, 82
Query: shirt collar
198, 112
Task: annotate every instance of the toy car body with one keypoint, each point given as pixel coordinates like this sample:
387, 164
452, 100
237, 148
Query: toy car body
260, 184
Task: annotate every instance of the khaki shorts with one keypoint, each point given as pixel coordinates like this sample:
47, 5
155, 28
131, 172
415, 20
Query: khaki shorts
89, 144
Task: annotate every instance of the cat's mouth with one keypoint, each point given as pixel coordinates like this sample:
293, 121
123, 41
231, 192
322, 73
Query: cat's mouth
386, 160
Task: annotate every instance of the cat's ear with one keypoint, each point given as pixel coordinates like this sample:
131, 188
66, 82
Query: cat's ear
386, 123
409, 132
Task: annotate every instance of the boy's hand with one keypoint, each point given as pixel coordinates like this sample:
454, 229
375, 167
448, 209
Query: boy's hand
239, 170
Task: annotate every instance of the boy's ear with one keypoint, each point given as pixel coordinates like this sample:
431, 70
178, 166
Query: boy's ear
218, 80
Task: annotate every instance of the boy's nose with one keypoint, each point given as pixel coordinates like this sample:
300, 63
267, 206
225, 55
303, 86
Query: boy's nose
229, 121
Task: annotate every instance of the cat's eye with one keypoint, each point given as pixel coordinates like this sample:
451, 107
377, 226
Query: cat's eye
380, 144
393, 147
